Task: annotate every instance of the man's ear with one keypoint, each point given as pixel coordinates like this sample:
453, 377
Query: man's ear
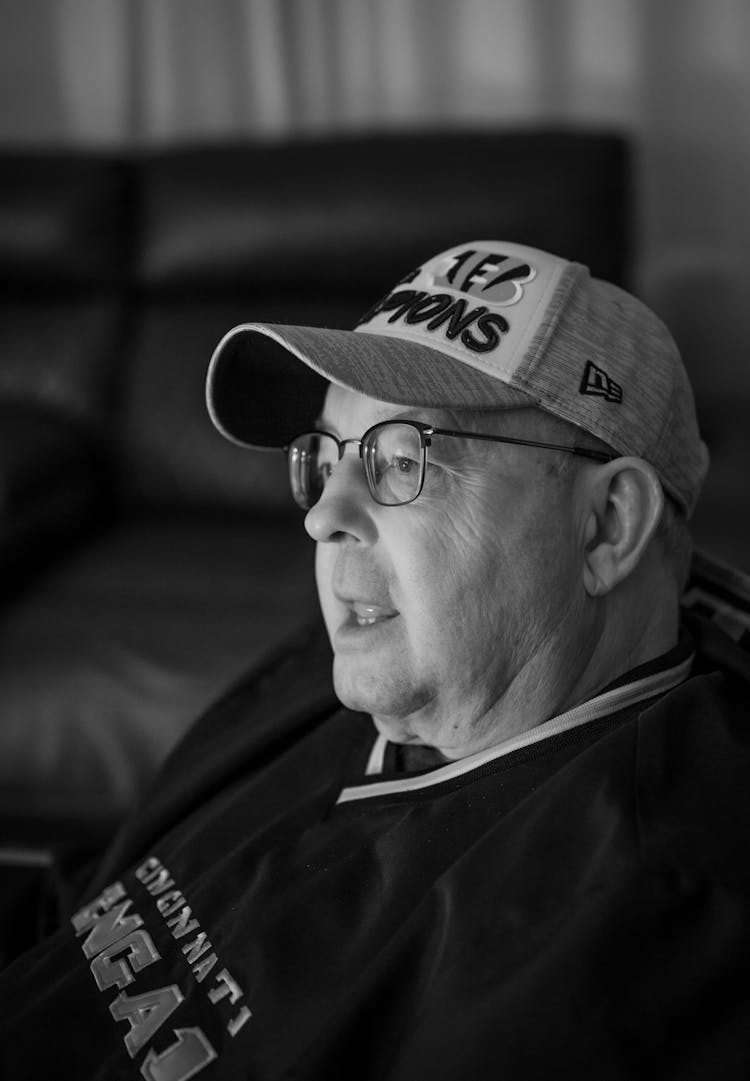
624, 502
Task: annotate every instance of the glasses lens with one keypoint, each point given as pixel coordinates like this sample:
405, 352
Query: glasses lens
392, 454
311, 458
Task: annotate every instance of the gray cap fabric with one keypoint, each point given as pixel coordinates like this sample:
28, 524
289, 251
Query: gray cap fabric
484, 325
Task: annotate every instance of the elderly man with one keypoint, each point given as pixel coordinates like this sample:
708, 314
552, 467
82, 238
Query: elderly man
534, 864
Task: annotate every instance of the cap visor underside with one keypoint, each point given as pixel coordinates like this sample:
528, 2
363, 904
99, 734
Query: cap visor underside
267, 383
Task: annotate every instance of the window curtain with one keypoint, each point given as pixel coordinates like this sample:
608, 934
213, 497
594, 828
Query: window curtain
674, 74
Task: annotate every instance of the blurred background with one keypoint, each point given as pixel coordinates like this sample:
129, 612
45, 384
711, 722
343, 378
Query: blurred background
155, 157
674, 75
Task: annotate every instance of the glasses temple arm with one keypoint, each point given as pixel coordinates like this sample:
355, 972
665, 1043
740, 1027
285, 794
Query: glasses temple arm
596, 455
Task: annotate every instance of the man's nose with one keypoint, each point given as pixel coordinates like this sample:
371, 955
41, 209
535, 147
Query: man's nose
345, 507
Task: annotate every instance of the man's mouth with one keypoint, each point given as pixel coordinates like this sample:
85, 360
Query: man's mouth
368, 614
363, 625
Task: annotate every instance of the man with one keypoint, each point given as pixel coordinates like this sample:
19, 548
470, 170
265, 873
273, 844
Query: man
534, 864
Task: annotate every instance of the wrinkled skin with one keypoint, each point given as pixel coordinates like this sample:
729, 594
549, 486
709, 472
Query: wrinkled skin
473, 621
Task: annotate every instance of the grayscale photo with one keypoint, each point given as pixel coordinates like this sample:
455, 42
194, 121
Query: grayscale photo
374, 540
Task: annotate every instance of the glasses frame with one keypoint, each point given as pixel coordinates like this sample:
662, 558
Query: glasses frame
426, 431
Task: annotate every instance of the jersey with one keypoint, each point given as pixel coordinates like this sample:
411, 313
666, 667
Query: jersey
291, 901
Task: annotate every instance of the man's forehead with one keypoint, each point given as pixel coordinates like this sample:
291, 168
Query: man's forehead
345, 406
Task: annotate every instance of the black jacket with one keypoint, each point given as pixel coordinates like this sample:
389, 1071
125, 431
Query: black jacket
577, 906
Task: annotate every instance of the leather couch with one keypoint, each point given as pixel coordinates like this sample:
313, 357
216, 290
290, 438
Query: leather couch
147, 563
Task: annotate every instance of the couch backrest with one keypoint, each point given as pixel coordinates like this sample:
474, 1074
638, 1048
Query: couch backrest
128, 272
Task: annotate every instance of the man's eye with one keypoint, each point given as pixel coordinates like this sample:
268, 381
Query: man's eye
406, 465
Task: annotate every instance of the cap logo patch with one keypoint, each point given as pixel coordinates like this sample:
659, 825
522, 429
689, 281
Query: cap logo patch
596, 382
477, 328
496, 278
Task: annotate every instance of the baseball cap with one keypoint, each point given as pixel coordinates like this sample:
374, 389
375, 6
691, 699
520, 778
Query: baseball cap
484, 326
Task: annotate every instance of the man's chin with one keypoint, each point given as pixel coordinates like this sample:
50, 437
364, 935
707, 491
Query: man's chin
396, 729
360, 686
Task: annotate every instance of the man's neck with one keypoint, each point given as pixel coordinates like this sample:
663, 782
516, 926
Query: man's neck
632, 633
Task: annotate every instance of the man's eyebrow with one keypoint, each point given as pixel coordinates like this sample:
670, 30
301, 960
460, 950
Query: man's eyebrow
412, 412
443, 419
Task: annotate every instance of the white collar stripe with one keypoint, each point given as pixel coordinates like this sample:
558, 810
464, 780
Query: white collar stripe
376, 760
609, 702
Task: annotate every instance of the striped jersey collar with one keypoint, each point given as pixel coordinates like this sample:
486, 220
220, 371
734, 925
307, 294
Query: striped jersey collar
618, 697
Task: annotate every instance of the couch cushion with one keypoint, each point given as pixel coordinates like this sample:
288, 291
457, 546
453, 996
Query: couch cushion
38, 451
62, 354
53, 489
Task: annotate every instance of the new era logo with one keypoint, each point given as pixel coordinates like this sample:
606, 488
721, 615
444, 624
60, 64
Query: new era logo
596, 381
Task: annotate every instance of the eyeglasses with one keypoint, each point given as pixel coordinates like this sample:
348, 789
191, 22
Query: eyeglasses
394, 456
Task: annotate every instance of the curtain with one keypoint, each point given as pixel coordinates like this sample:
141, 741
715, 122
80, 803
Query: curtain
674, 74
153, 70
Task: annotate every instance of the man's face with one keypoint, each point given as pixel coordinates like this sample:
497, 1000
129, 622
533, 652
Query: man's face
441, 610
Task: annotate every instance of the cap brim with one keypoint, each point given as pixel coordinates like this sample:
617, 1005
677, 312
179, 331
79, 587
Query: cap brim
267, 383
